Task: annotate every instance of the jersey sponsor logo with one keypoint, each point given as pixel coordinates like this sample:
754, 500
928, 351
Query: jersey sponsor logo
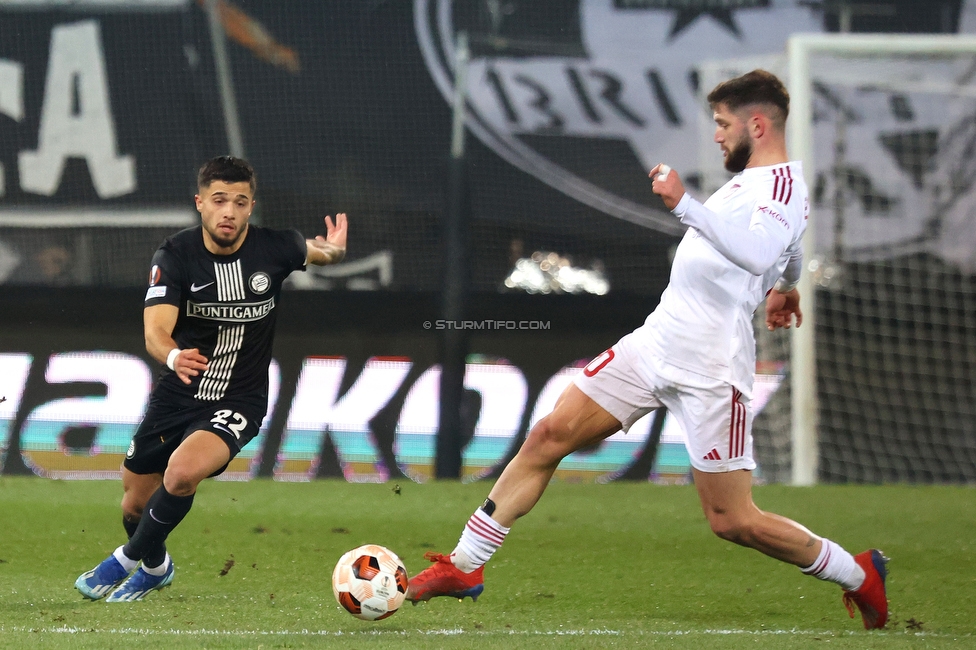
768, 211
154, 275
259, 282
230, 313
195, 287
155, 292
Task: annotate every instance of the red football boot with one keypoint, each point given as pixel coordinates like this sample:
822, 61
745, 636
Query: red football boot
444, 579
870, 597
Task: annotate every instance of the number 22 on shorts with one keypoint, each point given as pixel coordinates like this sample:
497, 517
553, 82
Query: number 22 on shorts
222, 418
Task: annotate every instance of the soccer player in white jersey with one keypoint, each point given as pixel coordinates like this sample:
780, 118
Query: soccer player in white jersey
694, 355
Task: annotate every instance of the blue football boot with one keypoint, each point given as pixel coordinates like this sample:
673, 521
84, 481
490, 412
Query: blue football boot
101, 580
140, 584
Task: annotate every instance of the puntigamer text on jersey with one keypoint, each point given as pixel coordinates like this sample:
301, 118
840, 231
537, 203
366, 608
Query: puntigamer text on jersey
234, 313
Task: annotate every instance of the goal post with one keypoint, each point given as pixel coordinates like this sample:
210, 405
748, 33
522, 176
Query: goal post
907, 75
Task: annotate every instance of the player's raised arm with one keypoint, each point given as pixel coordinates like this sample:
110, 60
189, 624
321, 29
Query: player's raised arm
754, 248
158, 322
330, 249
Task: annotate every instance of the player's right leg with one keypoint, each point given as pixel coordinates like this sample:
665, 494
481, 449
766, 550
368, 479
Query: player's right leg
110, 572
576, 422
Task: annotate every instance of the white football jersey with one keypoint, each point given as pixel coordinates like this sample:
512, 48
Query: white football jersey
737, 246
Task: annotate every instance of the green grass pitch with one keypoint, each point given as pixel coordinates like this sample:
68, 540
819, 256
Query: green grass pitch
593, 566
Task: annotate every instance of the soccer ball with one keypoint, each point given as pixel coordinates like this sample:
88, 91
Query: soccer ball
370, 582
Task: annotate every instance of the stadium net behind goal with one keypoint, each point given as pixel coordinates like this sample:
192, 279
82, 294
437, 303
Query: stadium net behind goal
883, 385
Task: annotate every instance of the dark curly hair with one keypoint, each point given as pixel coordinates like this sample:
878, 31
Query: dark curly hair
228, 169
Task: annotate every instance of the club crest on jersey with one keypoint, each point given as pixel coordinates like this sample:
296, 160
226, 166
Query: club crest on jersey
259, 282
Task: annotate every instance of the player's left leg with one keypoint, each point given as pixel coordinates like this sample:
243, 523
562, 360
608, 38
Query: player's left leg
199, 455
726, 499
717, 418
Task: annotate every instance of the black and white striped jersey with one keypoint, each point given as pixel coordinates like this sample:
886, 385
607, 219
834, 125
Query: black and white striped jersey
227, 309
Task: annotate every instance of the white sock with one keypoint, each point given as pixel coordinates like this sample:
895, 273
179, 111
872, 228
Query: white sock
127, 563
836, 565
482, 536
158, 570
462, 562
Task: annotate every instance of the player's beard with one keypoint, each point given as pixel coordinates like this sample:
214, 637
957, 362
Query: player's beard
224, 241
739, 155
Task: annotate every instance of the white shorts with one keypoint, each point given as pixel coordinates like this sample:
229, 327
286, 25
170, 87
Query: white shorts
629, 383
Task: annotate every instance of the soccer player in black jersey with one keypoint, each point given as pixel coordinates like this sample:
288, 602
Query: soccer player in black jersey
210, 317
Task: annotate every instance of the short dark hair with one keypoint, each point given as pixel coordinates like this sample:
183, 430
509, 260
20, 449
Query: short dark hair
756, 87
228, 169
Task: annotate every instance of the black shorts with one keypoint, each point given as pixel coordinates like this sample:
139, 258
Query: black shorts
166, 425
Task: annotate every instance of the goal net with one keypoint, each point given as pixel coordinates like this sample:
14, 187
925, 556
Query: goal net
882, 377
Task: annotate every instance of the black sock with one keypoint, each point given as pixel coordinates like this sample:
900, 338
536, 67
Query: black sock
162, 514
130, 524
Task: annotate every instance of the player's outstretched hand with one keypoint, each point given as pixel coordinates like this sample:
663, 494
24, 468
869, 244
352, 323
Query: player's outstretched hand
331, 248
780, 309
189, 363
666, 184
